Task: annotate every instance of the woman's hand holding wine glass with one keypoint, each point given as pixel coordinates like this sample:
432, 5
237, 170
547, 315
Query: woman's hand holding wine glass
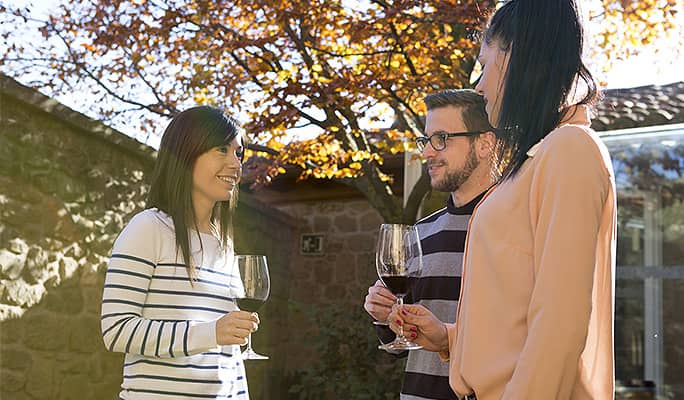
425, 328
235, 327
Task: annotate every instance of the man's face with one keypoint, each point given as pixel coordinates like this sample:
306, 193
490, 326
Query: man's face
451, 167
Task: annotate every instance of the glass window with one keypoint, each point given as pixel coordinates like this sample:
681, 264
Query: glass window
649, 323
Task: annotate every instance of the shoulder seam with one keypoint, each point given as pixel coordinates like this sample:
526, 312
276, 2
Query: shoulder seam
434, 214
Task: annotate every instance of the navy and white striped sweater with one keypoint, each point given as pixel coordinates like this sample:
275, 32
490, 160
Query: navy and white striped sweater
165, 325
442, 238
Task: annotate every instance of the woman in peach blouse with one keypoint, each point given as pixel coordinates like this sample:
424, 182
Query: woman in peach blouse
535, 319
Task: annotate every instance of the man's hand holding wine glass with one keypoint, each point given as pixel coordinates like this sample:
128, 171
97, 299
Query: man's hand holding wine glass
379, 301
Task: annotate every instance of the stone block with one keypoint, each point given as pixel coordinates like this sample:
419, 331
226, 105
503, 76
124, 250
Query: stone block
18, 246
322, 273
12, 381
94, 368
67, 267
65, 228
111, 364
371, 220
85, 335
46, 331
305, 292
109, 390
301, 270
39, 380
35, 268
53, 281
53, 301
69, 363
333, 244
7, 233
15, 359
11, 264
345, 223
11, 332
72, 299
74, 251
89, 275
330, 207
92, 300
360, 243
335, 293
13, 395
20, 293
321, 223
345, 274
366, 272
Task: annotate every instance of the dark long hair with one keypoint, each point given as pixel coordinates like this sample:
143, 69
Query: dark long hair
190, 134
544, 41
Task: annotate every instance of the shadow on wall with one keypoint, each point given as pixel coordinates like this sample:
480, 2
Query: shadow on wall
50, 292
50, 341
54, 349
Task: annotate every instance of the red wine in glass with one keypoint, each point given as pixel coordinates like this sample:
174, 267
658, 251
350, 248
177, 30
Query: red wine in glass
398, 285
251, 305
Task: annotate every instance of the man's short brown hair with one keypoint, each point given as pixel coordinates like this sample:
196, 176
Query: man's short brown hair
469, 101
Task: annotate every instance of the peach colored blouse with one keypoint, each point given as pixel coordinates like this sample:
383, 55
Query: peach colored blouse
535, 320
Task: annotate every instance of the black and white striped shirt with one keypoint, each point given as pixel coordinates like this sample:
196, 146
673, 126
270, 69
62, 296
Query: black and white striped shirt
165, 325
442, 238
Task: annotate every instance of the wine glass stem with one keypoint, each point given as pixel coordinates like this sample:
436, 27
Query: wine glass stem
400, 302
249, 343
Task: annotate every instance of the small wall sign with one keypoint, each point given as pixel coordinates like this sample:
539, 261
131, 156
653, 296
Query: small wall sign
311, 244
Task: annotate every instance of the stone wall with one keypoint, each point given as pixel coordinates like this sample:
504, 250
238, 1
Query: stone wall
65, 195
341, 275
347, 265
68, 184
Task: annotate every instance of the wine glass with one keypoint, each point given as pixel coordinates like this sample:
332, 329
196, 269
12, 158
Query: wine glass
399, 261
377, 268
253, 292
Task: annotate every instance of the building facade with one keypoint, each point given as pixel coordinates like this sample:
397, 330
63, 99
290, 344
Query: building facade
68, 184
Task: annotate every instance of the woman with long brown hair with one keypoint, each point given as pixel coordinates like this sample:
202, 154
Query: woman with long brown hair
168, 300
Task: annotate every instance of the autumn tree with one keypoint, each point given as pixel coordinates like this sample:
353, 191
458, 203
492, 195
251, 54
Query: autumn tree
330, 67
627, 28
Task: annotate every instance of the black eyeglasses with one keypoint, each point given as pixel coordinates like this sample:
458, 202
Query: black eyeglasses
438, 140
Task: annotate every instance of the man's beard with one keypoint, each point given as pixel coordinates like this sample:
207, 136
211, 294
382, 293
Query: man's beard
454, 179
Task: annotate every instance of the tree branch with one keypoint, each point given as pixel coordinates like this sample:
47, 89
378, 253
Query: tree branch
81, 67
263, 149
160, 101
303, 114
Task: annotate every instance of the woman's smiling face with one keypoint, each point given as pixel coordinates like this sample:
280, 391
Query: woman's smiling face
216, 172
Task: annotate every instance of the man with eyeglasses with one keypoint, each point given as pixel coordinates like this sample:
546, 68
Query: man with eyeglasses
458, 148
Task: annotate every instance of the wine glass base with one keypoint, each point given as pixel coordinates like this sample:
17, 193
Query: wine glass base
400, 344
381, 323
250, 354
